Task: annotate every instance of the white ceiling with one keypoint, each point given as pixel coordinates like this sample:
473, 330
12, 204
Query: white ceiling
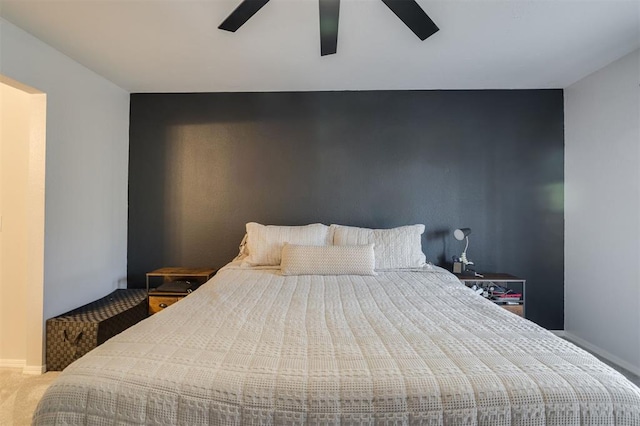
175, 46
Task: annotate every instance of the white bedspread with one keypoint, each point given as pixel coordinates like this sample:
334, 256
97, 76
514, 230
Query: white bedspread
254, 347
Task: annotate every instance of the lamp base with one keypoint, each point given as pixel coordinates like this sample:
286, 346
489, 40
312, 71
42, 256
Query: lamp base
467, 269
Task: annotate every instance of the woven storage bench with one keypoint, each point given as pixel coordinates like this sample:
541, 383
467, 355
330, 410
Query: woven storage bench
71, 335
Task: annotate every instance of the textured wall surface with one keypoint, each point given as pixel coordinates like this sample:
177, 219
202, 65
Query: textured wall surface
202, 165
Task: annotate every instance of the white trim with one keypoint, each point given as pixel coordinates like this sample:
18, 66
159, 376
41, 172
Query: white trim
604, 354
34, 369
559, 333
13, 363
21, 363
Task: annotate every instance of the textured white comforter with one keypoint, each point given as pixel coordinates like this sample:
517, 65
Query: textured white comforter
254, 347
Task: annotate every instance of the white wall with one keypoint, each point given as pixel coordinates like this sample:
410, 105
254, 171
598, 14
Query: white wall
86, 171
602, 216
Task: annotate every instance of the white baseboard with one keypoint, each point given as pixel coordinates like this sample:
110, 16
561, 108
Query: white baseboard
601, 352
559, 333
21, 363
13, 363
34, 369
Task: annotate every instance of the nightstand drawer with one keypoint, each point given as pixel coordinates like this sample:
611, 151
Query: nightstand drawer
516, 309
158, 303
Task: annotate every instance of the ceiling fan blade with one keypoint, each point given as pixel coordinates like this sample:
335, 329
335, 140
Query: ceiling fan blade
329, 13
242, 14
413, 17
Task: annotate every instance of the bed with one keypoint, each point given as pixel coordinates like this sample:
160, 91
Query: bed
260, 345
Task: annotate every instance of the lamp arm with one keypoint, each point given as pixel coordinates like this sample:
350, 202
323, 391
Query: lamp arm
463, 256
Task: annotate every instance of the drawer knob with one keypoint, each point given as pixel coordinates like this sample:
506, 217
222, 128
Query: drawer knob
163, 305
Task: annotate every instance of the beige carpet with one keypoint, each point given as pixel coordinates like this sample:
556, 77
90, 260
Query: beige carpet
19, 395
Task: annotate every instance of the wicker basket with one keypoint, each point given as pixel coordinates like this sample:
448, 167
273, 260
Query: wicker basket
71, 335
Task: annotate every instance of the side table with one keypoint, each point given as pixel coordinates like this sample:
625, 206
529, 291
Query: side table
158, 300
509, 281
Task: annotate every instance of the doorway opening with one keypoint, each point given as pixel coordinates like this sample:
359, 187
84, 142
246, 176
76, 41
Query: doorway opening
22, 219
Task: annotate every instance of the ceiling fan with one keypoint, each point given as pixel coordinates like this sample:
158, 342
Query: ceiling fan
408, 11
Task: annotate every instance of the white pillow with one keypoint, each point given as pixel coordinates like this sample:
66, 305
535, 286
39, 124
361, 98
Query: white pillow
264, 243
394, 248
328, 260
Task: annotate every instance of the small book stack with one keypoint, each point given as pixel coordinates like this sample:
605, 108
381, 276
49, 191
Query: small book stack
505, 295
510, 298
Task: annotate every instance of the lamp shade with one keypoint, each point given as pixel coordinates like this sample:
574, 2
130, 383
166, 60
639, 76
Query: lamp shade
461, 233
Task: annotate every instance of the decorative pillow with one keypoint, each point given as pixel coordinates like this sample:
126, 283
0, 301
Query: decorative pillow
394, 248
328, 260
265, 242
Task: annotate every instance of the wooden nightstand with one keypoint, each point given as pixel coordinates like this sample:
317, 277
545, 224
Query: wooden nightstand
512, 282
158, 300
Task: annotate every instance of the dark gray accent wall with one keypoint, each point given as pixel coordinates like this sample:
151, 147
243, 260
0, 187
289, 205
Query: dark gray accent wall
202, 165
